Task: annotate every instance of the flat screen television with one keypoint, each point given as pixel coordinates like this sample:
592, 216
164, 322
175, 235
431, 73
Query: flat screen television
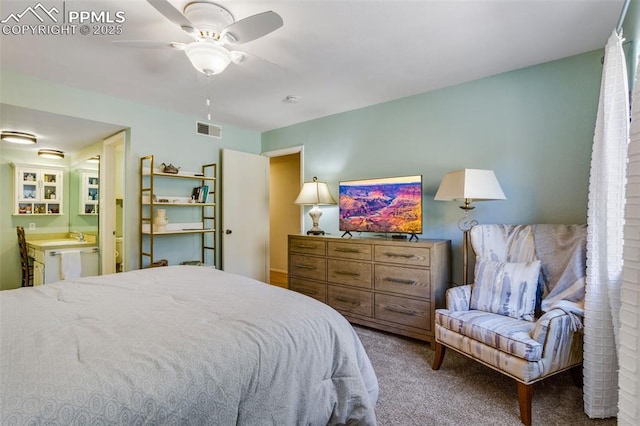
389, 205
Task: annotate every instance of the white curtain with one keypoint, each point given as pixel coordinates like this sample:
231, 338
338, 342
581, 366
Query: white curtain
629, 331
605, 220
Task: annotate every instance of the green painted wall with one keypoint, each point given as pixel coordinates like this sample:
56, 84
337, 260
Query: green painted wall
533, 127
168, 135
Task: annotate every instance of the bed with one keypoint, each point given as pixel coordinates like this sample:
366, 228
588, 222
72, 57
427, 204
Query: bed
179, 345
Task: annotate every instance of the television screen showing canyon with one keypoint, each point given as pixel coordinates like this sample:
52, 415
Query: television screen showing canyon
382, 205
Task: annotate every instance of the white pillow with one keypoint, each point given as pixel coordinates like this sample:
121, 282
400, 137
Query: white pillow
506, 288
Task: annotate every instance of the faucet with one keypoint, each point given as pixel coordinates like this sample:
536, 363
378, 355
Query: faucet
80, 236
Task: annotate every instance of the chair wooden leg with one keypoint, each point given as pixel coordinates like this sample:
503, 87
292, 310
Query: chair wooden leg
525, 394
439, 356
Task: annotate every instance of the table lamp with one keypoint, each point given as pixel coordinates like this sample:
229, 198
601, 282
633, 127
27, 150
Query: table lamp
314, 194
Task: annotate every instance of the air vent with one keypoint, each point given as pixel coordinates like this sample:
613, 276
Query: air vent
209, 130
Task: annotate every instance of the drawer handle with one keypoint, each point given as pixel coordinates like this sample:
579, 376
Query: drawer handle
347, 250
305, 246
303, 266
306, 291
348, 273
406, 256
347, 300
401, 310
399, 280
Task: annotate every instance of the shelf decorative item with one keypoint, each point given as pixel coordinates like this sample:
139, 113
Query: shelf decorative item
161, 220
170, 169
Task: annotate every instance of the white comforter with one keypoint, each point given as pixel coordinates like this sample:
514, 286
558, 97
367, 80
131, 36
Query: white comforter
178, 345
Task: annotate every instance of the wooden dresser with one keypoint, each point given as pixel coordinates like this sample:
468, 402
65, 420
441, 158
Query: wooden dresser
387, 284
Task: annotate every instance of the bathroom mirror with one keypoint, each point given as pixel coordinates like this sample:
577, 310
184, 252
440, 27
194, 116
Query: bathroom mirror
84, 193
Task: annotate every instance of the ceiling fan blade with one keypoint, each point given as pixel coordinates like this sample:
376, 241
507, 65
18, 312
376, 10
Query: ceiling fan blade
252, 27
172, 14
148, 44
237, 56
253, 58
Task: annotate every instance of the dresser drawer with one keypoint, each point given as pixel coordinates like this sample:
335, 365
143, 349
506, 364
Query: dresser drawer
349, 250
383, 283
308, 266
400, 310
307, 246
350, 301
416, 256
402, 280
312, 289
357, 274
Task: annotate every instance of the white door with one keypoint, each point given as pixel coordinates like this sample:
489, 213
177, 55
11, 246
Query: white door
107, 196
245, 214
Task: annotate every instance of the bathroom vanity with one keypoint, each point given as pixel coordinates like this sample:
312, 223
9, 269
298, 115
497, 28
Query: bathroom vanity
47, 257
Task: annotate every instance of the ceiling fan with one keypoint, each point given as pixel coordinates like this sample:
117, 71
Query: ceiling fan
212, 27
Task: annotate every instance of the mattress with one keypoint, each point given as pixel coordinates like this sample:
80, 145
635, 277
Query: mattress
178, 345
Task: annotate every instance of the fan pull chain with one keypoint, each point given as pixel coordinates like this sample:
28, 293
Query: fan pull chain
208, 98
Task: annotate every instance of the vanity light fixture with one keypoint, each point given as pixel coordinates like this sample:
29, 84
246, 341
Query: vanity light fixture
51, 153
95, 159
18, 137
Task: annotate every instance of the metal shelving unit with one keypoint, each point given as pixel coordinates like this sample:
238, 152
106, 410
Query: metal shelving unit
150, 180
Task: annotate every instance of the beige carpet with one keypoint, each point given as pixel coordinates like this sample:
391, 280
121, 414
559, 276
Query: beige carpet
462, 392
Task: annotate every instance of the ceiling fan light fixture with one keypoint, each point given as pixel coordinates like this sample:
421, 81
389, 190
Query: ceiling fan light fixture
51, 153
208, 58
18, 137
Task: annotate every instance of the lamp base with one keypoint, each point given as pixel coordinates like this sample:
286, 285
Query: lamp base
315, 214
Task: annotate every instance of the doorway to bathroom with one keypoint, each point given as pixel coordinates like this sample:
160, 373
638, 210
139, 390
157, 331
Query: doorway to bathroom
112, 223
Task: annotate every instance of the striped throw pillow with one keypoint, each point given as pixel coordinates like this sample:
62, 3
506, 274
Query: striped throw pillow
506, 288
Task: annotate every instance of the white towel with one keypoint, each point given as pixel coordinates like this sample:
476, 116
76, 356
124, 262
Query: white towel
70, 264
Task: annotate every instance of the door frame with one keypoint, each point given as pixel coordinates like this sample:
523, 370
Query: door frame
106, 218
288, 151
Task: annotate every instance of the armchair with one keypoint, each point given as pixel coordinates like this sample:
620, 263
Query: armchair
522, 315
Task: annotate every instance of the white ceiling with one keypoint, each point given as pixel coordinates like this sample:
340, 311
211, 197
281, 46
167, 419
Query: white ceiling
335, 55
54, 131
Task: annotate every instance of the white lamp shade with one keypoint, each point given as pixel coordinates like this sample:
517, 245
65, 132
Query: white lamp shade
315, 193
471, 184
208, 58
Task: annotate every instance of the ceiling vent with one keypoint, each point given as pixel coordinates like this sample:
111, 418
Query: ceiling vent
209, 130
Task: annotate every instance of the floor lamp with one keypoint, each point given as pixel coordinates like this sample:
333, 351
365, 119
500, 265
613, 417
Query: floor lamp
313, 194
468, 185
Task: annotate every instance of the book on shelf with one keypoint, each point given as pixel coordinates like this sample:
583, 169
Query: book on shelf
204, 193
200, 193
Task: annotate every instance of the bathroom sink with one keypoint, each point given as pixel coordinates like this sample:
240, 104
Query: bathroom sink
66, 242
